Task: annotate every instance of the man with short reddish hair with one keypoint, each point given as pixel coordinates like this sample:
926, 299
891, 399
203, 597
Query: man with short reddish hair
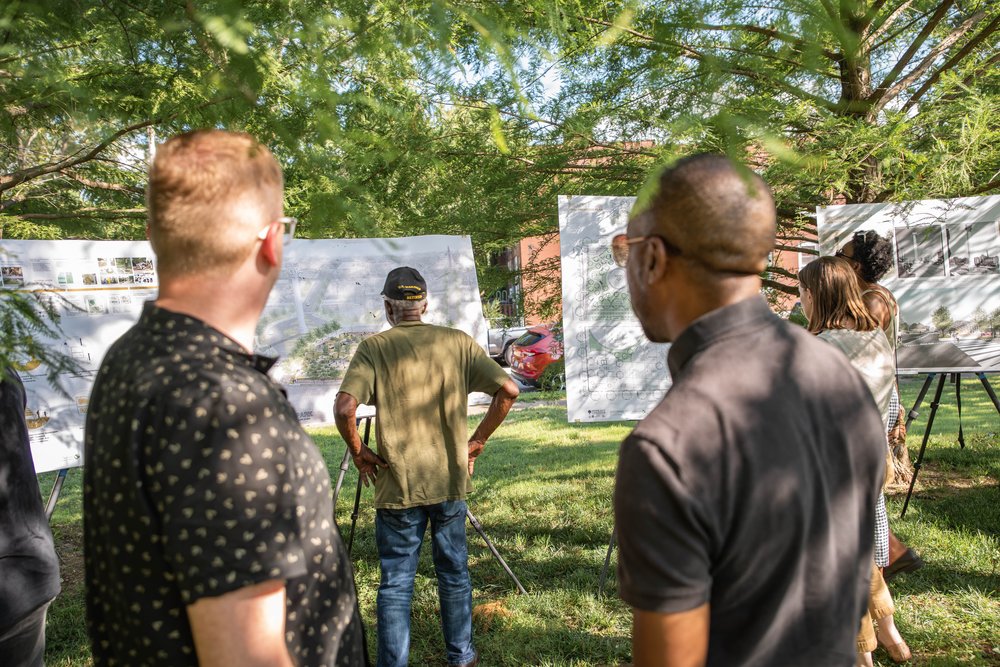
208, 523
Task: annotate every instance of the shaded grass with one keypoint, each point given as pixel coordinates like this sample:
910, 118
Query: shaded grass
543, 494
949, 611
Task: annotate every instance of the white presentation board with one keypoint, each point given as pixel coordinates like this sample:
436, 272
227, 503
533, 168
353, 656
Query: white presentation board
613, 372
946, 276
326, 301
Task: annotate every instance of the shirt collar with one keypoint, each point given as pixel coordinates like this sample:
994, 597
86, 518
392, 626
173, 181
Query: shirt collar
711, 327
158, 320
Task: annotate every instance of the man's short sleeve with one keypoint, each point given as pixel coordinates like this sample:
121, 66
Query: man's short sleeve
225, 490
663, 558
485, 375
359, 381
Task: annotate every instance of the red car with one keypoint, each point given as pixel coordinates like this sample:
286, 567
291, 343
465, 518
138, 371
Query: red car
535, 349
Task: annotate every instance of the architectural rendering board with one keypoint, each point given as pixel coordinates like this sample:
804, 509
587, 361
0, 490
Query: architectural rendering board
612, 371
946, 276
325, 302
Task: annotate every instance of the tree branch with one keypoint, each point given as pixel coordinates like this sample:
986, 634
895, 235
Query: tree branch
992, 185
780, 286
15, 178
911, 50
869, 40
954, 60
795, 248
96, 213
22, 56
929, 59
101, 185
694, 54
799, 43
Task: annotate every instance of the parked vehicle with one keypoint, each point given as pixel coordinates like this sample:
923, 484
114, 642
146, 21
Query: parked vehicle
534, 350
500, 340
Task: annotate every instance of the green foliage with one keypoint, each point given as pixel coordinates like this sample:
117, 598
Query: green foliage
798, 317
553, 378
29, 319
451, 117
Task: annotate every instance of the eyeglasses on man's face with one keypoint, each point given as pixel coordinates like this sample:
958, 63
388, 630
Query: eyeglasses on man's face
621, 245
289, 234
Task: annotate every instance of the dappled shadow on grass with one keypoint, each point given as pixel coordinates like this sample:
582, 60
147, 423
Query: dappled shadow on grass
547, 645
561, 618
958, 518
66, 632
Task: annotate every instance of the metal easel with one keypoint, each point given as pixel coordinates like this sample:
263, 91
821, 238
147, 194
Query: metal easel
345, 464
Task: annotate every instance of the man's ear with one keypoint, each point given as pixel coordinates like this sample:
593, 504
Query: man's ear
424, 311
654, 260
269, 246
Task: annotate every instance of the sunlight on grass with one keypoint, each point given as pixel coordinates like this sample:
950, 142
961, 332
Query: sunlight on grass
543, 495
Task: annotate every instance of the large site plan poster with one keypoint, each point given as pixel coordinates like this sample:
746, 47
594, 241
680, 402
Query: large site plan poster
946, 276
612, 371
326, 301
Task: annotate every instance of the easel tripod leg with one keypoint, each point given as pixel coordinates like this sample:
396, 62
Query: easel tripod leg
989, 390
923, 443
915, 410
344, 464
50, 506
607, 564
357, 493
496, 554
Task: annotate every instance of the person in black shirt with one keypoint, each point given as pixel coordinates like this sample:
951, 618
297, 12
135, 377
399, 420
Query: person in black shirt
743, 501
208, 520
29, 568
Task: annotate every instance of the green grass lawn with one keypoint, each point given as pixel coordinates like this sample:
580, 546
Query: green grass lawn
543, 495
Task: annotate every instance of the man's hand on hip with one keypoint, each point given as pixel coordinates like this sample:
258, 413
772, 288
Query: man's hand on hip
368, 462
475, 449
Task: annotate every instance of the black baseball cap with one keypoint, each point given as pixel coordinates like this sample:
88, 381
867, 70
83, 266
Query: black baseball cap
405, 284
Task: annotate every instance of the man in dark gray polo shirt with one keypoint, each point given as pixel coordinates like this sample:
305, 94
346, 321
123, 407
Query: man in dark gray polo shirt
745, 500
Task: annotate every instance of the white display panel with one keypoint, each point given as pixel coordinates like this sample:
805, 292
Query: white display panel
326, 300
613, 372
946, 276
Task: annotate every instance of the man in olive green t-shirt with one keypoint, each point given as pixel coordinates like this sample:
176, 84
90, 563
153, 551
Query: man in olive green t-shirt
419, 377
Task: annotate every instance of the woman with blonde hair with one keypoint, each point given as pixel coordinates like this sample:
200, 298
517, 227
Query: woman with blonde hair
871, 257
831, 300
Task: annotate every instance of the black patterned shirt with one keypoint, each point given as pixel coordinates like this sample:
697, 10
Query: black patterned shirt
198, 481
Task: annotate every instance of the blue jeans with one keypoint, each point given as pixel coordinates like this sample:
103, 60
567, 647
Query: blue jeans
399, 535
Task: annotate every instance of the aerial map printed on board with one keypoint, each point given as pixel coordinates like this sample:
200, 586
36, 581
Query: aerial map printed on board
613, 372
946, 276
326, 301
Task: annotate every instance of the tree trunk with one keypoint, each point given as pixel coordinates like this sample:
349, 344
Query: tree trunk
855, 99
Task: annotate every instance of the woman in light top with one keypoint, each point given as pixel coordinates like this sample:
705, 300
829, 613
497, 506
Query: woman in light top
871, 257
831, 299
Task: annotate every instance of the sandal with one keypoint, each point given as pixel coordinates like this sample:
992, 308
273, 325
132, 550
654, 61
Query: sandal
897, 652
